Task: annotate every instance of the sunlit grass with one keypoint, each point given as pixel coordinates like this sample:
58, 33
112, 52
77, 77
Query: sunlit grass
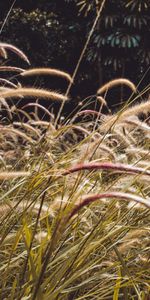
75, 199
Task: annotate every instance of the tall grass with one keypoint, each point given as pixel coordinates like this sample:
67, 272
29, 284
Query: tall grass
75, 200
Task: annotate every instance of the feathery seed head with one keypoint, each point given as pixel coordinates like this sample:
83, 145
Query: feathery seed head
31, 92
47, 71
116, 82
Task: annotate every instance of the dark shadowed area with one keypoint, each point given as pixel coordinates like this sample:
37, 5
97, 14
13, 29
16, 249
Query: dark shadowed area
53, 33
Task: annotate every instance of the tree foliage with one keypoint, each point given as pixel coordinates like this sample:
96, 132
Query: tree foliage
121, 39
54, 35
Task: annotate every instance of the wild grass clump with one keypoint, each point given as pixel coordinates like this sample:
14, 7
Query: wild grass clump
75, 198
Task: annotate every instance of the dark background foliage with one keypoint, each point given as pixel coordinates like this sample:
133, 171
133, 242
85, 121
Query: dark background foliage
53, 32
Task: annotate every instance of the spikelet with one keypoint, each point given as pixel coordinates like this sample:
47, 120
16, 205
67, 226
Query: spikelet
42, 124
140, 151
27, 127
143, 107
39, 106
132, 238
3, 53
102, 100
116, 82
15, 50
5, 81
4, 89
136, 233
33, 208
138, 124
16, 110
16, 132
85, 131
118, 167
88, 112
128, 245
39, 237
122, 138
12, 175
10, 69
47, 71
5, 104
31, 92
96, 149
86, 200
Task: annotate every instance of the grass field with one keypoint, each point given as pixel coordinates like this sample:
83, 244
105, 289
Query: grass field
75, 195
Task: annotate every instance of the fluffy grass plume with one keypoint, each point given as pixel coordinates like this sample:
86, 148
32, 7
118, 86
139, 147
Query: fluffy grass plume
33, 92
14, 49
135, 110
47, 71
12, 175
3, 53
10, 69
116, 82
74, 201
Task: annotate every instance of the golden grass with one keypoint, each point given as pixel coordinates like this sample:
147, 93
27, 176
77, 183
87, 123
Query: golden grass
116, 82
14, 49
31, 92
12, 175
75, 206
11, 69
135, 110
47, 71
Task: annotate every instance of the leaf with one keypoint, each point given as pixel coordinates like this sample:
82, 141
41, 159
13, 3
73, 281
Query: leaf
118, 285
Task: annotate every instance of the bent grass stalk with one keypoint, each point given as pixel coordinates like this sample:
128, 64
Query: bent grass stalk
15, 50
116, 82
89, 111
3, 53
5, 81
28, 127
47, 71
31, 92
11, 130
41, 107
10, 69
116, 195
107, 166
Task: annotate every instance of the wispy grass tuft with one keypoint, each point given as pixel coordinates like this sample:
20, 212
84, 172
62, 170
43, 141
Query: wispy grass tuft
31, 92
47, 71
116, 82
74, 199
14, 49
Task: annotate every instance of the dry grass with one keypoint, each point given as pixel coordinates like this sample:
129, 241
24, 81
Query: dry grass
47, 71
116, 82
31, 92
75, 204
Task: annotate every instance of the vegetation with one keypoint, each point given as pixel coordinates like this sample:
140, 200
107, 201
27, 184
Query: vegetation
75, 189
75, 206
119, 47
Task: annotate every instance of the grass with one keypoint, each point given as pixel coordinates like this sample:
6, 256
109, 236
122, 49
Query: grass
75, 200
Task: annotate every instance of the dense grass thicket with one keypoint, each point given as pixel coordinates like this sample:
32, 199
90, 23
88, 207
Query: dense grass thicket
75, 193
